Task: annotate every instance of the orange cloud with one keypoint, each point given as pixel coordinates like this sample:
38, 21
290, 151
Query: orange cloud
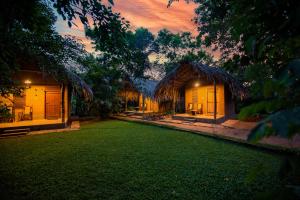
155, 14
151, 14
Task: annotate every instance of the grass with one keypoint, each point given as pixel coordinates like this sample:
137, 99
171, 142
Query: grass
123, 160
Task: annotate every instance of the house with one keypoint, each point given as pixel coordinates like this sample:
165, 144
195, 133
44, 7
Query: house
199, 92
45, 101
138, 92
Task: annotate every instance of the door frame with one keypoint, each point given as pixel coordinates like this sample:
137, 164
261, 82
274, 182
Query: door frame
60, 103
217, 98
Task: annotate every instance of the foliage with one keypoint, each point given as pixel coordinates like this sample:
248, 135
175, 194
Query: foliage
105, 27
141, 44
132, 51
27, 33
105, 72
4, 113
260, 44
283, 123
105, 81
173, 48
28, 37
20, 23
126, 50
141, 39
55, 54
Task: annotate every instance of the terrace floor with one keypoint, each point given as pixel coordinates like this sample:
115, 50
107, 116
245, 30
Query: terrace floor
199, 118
139, 112
186, 115
232, 130
30, 123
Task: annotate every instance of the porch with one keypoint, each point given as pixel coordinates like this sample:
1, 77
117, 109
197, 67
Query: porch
39, 106
199, 118
30, 123
138, 112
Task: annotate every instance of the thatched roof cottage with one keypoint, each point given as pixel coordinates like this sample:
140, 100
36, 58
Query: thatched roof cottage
200, 92
138, 92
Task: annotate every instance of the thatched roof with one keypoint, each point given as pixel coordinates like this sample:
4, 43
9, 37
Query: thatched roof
58, 74
185, 72
145, 86
80, 87
40, 77
141, 85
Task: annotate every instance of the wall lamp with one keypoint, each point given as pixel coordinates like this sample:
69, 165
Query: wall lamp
27, 83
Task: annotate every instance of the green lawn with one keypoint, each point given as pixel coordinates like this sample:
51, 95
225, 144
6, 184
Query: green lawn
122, 160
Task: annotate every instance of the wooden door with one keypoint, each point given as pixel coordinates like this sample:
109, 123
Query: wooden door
53, 105
211, 101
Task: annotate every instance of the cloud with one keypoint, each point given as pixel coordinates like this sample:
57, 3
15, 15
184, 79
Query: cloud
155, 14
151, 14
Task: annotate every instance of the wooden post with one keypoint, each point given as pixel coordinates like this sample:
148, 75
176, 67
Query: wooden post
125, 100
63, 103
139, 103
215, 101
174, 99
174, 102
143, 105
69, 107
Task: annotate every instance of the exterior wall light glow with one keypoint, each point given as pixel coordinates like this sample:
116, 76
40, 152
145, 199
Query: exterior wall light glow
197, 84
27, 83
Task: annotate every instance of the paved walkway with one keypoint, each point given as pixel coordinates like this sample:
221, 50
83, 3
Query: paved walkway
232, 130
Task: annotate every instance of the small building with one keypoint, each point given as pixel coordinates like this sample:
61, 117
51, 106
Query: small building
199, 92
138, 92
45, 100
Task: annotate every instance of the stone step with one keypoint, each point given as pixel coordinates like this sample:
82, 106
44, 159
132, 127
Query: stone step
75, 125
14, 132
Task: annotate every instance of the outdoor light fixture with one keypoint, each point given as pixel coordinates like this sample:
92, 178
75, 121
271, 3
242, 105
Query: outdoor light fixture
197, 84
27, 83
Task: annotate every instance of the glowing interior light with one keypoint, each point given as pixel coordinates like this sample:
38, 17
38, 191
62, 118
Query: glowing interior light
197, 84
27, 82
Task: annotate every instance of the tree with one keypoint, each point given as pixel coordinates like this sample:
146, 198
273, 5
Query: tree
142, 39
26, 26
28, 36
21, 24
108, 28
106, 71
260, 44
174, 48
105, 80
133, 51
142, 45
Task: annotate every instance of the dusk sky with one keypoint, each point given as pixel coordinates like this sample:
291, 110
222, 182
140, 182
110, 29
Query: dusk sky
151, 14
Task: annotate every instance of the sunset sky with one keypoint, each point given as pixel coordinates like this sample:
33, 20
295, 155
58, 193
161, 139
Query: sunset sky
151, 14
